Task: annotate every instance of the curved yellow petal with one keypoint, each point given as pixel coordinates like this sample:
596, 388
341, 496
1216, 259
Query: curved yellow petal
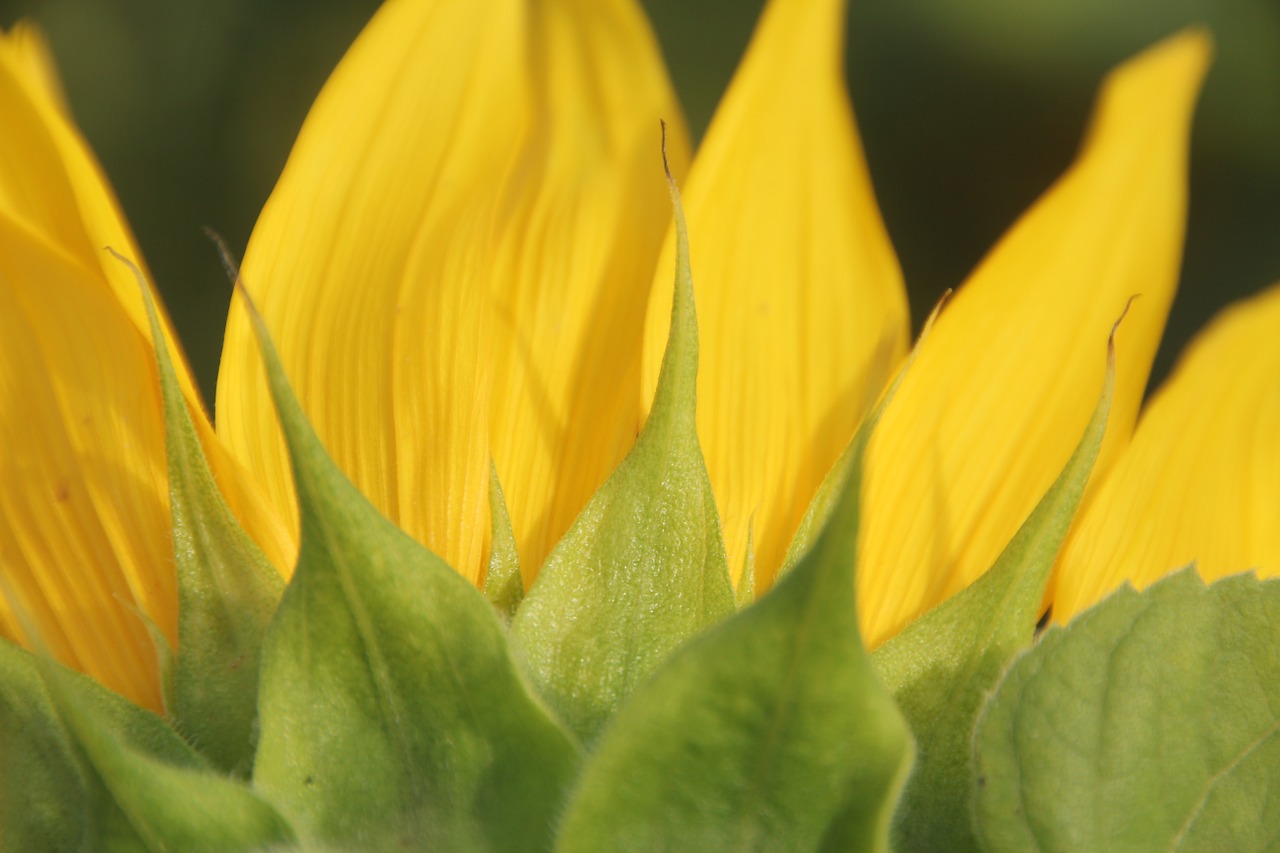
85, 543
454, 265
52, 184
52, 188
84, 518
800, 301
1199, 481
1006, 381
575, 261
346, 259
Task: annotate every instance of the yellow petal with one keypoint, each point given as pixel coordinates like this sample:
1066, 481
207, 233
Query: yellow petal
1003, 386
574, 265
800, 300
1199, 481
344, 261
85, 543
52, 188
51, 183
454, 263
84, 519
26, 56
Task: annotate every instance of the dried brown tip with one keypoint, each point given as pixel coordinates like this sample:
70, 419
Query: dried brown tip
666, 165
935, 314
1111, 339
233, 269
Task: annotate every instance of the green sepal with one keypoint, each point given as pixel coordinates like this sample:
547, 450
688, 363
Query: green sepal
770, 731
124, 779
819, 511
391, 711
942, 666
503, 585
227, 589
643, 568
833, 484
173, 799
744, 595
50, 796
1151, 722
166, 660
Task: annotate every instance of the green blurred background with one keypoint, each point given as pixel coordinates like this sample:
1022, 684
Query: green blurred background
968, 110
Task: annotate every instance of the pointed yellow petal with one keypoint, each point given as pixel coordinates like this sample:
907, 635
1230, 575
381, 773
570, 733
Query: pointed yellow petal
800, 294
52, 188
1198, 483
85, 543
1003, 387
84, 519
27, 57
454, 266
575, 262
52, 184
350, 266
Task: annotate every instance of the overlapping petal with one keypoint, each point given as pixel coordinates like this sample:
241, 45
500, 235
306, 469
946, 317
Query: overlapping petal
464, 263
84, 521
1002, 388
589, 213
800, 299
85, 538
454, 265
1201, 480
50, 183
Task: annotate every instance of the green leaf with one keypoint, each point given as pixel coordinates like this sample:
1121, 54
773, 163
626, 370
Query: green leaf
503, 585
1151, 722
770, 731
392, 713
227, 590
643, 568
941, 667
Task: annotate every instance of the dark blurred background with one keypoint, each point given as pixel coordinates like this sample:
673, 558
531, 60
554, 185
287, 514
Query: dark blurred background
968, 110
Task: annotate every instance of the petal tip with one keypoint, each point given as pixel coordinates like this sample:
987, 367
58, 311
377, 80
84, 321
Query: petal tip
1169, 72
25, 45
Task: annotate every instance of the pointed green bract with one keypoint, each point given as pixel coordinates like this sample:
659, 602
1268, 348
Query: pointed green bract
1151, 722
119, 719
227, 589
50, 796
97, 770
768, 732
941, 667
833, 484
173, 805
819, 511
503, 585
643, 568
391, 711
745, 593
166, 660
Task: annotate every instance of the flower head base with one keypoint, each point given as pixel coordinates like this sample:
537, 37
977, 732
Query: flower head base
463, 277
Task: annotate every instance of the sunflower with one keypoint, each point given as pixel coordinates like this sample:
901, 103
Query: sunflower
466, 266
